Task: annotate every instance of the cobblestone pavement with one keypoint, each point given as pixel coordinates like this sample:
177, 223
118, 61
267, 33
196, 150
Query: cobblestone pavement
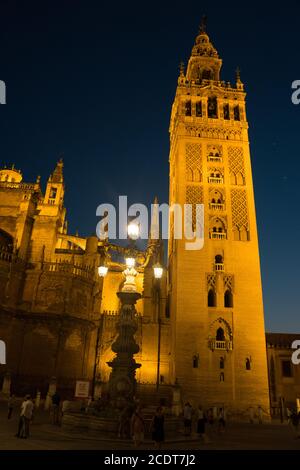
45, 436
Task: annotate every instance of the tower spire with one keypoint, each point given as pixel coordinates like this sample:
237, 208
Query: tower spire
57, 175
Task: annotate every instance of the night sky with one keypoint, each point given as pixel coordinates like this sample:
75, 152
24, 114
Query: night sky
95, 81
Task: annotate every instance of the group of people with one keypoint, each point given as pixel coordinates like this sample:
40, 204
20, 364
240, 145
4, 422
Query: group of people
27, 410
203, 419
25, 418
132, 424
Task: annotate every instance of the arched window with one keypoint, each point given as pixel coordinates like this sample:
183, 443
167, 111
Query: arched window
207, 74
188, 108
226, 111
212, 107
198, 109
248, 364
228, 299
220, 336
211, 298
236, 113
218, 259
222, 362
195, 361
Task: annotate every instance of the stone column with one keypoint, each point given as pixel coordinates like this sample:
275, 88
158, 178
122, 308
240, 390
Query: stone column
37, 399
6, 384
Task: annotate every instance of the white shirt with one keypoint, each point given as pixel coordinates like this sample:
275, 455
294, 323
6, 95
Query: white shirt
27, 409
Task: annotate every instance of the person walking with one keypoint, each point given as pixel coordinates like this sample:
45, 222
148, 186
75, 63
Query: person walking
137, 427
187, 417
201, 423
55, 408
10, 405
221, 420
157, 428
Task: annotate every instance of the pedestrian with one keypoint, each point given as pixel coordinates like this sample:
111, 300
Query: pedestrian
221, 420
157, 427
10, 405
137, 427
25, 418
55, 407
201, 423
187, 417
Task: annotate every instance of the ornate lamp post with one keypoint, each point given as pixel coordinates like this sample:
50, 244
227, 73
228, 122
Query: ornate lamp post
158, 272
122, 381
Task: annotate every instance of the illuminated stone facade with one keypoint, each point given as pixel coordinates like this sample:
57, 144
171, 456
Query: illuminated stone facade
218, 338
208, 319
53, 303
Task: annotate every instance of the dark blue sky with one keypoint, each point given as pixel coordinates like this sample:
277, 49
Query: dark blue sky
96, 81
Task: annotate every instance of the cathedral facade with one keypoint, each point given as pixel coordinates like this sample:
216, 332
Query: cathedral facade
202, 330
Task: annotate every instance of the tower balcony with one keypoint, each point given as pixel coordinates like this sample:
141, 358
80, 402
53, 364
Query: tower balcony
216, 207
220, 345
214, 180
219, 267
217, 235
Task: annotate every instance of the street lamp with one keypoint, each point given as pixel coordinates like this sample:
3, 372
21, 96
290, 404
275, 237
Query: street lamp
102, 271
133, 231
130, 262
158, 272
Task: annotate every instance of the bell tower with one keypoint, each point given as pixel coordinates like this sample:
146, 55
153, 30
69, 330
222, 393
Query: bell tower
218, 335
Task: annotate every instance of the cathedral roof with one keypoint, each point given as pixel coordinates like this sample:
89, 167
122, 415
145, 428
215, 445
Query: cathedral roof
283, 340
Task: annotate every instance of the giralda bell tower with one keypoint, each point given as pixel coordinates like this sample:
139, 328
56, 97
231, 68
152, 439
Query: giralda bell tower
216, 306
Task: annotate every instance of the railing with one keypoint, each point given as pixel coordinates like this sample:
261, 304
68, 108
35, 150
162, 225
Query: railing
212, 179
10, 184
217, 235
219, 267
51, 201
221, 345
216, 207
212, 158
69, 268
